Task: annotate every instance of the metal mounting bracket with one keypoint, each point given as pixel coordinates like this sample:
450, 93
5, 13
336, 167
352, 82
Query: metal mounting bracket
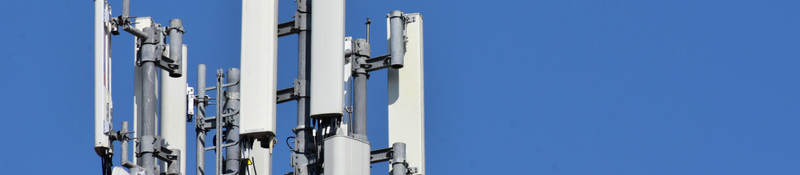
285, 95
380, 155
287, 28
291, 93
378, 63
171, 156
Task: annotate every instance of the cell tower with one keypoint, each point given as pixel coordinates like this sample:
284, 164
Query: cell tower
330, 135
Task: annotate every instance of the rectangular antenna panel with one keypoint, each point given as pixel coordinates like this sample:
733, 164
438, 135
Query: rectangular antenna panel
327, 58
102, 78
407, 97
258, 67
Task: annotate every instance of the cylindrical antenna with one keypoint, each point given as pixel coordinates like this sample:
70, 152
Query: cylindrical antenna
397, 40
176, 46
369, 21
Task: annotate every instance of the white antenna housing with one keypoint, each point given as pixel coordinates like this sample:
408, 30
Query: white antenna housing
407, 97
327, 58
258, 66
173, 110
102, 78
258, 81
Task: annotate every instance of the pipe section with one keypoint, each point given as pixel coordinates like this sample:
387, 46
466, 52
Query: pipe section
397, 40
176, 47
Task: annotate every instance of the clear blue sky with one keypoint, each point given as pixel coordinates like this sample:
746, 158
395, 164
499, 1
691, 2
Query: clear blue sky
616, 87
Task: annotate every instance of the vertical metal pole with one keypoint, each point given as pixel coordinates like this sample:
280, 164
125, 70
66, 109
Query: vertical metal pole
232, 153
124, 132
360, 100
399, 159
360, 76
201, 94
299, 160
218, 139
148, 55
149, 70
369, 21
126, 9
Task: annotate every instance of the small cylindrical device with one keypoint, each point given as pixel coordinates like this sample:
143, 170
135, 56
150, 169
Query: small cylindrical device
397, 39
327, 58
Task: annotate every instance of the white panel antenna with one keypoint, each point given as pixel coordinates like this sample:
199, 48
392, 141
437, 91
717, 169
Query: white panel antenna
102, 78
258, 66
327, 58
258, 81
407, 97
173, 110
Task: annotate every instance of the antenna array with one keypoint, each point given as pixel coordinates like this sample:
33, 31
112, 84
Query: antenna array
330, 135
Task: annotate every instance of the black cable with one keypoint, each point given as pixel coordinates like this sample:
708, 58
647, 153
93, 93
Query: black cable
106, 164
289, 145
103, 165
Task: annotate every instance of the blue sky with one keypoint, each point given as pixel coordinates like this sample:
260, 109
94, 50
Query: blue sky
512, 87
